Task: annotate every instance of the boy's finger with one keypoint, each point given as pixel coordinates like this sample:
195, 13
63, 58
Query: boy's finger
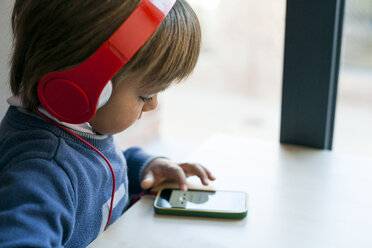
210, 175
180, 177
148, 180
197, 170
188, 168
183, 187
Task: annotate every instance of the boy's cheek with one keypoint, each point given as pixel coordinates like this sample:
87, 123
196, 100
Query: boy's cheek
111, 123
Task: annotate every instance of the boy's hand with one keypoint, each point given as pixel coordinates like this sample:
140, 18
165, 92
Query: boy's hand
161, 169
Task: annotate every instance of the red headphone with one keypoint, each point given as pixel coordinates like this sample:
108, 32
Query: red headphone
74, 95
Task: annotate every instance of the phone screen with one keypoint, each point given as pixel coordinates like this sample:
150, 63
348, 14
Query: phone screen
224, 201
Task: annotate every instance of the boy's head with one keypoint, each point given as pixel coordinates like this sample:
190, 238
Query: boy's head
56, 35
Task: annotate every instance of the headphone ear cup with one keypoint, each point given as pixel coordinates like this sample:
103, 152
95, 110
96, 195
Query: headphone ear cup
105, 95
63, 98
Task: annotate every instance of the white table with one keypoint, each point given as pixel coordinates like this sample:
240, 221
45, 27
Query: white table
298, 197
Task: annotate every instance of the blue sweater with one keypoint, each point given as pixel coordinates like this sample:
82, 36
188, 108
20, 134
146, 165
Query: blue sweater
54, 190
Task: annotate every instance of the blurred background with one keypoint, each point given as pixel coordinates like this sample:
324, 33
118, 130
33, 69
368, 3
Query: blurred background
353, 132
236, 86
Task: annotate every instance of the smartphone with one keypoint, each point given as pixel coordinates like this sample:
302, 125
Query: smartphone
204, 203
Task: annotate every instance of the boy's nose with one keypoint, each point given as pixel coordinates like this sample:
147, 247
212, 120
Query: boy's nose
151, 105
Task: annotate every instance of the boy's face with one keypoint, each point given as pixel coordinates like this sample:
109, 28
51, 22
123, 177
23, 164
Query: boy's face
124, 107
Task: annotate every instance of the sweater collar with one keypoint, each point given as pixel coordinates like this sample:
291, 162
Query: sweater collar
84, 128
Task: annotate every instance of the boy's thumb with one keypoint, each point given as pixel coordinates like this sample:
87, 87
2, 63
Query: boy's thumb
148, 180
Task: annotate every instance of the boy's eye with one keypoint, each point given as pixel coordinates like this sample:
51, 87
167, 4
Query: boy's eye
145, 99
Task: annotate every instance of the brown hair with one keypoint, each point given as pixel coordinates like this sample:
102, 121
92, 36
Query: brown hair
54, 35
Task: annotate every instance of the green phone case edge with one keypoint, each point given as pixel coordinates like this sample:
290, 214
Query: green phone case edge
201, 214
180, 212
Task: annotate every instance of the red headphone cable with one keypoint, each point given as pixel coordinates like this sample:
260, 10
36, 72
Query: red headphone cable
96, 150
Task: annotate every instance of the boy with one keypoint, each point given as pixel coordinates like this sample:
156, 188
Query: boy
61, 182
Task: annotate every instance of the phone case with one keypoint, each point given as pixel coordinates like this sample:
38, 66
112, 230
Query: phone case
198, 213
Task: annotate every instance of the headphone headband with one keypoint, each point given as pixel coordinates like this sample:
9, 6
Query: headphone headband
164, 6
72, 95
